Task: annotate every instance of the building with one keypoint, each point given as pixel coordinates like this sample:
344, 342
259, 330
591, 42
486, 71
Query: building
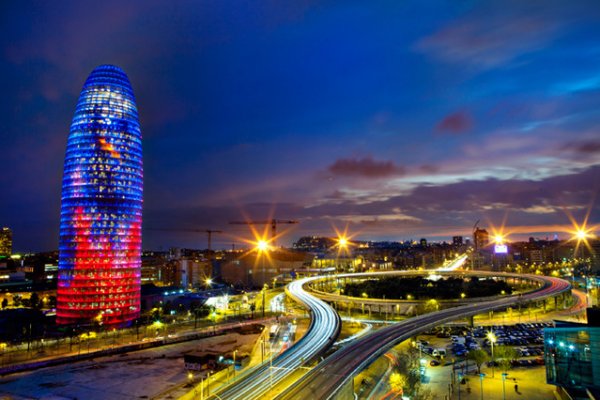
192, 273
572, 356
101, 209
457, 241
481, 238
5, 242
252, 269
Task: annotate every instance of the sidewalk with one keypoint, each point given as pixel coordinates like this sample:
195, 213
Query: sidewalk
531, 383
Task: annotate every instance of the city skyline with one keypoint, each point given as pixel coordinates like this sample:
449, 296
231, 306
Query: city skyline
329, 114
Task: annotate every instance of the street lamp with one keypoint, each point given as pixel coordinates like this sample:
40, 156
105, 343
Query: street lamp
262, 246
492, 338
263, 291
582, 234
504, 375
271, 363
235, 351
481, 376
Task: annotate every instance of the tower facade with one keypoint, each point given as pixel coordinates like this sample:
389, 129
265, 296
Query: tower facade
5, 242
101, 209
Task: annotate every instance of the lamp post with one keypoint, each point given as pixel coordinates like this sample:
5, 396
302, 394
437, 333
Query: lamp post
263, 291
262, 246
342, 249
235, 351
202, 388
208, 385
492, 338
581, 235
481, 376
271, 364
504, 375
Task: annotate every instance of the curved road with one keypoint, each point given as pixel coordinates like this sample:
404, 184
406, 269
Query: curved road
324, 328
325, 380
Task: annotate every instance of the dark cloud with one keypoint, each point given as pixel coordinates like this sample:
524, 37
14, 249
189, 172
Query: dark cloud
458, 122
427, 210
584, 147
365, 167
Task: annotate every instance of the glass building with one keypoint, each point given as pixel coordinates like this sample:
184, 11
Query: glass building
101, 209
572, 355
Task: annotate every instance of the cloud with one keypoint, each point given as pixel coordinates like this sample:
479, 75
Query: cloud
584, 147
528, 206
491, 36
429, 169
458, 122
365, 167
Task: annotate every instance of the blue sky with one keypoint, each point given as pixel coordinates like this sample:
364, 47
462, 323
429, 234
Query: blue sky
398, 119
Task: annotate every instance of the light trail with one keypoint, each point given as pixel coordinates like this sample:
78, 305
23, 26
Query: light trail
323, 330
454, 264
368, 327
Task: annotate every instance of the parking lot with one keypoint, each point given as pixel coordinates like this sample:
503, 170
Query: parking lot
444, 351
454, 343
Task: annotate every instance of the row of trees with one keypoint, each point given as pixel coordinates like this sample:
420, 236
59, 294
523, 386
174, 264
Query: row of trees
406, 378
34, 301
423, 288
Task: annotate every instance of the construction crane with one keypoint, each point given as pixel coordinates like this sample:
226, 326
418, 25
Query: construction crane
273, 222
207, 231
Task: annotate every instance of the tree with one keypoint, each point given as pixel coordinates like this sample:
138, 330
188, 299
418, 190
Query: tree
17, 300
478, 356
34, 301
4, 303
398, 382
504, 356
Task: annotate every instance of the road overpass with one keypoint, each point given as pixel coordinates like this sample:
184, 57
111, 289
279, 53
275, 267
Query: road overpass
326, 380
323, 288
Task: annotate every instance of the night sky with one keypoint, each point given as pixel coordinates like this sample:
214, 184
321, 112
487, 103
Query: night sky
400, 120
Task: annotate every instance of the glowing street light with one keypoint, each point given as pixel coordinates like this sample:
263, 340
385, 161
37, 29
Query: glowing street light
262, 245
208, 282
498, 239
262, 248
581, 234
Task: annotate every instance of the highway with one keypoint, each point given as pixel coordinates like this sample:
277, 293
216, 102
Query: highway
324, 328
325, 380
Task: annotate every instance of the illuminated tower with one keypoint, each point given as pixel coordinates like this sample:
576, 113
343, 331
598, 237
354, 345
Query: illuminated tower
101, 210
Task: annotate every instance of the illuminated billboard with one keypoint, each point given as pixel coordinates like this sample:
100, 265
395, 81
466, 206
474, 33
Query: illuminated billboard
500, 249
